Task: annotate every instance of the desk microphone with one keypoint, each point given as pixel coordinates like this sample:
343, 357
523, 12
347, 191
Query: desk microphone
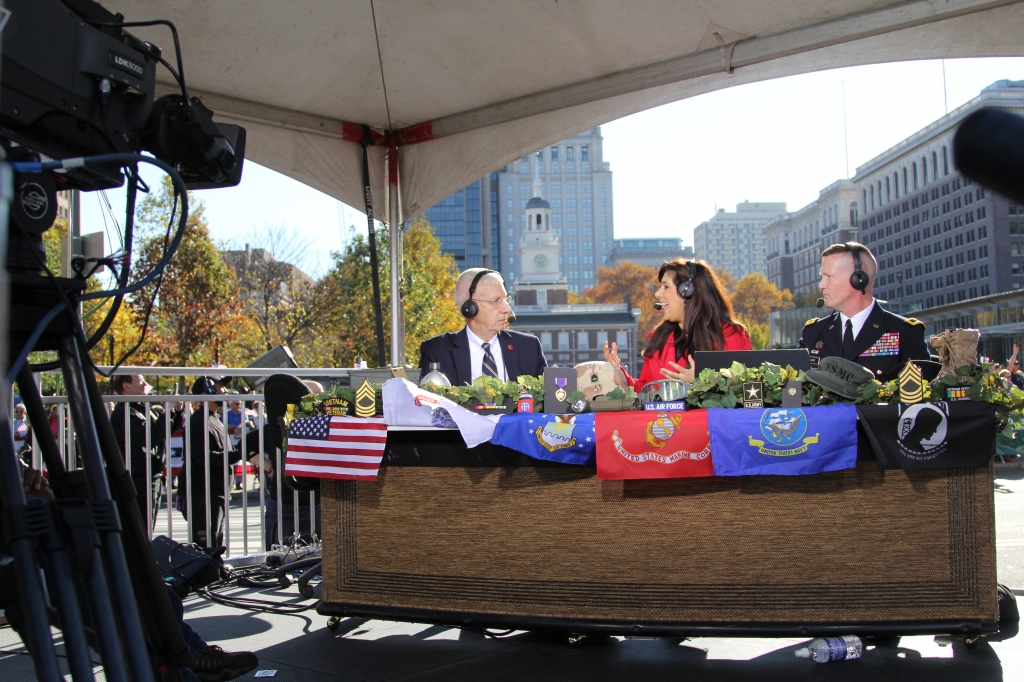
989, 148
820, 302
659, 306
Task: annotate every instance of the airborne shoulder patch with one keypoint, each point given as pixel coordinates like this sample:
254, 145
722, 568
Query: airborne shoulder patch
914, 322
811, 321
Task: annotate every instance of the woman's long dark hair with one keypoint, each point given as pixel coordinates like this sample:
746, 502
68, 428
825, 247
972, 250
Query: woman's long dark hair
705, 312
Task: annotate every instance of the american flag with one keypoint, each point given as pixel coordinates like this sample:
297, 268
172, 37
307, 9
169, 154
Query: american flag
336, 447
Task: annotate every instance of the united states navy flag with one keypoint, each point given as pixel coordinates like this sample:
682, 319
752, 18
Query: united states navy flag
783, 441
566, 438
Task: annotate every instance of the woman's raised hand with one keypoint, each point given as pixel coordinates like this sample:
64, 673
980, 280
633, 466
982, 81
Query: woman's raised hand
612, 354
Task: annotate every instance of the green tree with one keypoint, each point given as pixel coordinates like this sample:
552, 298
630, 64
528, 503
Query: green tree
189, 324
429, 283
284, 304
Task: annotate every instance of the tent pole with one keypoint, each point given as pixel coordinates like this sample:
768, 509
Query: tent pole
395, 236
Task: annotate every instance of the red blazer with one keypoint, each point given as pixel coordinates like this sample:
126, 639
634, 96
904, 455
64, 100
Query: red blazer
735, 339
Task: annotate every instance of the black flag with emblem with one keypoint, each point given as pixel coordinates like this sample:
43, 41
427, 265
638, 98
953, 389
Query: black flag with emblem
930, 435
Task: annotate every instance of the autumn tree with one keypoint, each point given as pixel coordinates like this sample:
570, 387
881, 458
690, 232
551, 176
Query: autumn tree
429, 283
755, 297
189, 323
638, 281
283, 303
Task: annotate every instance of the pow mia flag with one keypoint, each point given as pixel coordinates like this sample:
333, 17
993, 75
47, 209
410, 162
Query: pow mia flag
930, 435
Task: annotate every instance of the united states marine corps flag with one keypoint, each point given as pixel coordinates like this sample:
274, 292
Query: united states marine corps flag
784, 441
633, 445
930, 435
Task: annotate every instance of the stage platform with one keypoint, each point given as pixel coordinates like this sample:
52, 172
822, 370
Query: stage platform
301, 648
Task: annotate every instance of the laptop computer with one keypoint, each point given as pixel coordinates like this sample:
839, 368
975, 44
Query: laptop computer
717, 360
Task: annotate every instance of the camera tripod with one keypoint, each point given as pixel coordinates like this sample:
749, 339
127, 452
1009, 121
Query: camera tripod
91, 542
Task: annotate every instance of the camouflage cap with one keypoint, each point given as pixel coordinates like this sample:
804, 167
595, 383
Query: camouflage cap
839, 375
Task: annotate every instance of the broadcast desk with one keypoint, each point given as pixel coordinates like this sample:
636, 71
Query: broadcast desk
491, 538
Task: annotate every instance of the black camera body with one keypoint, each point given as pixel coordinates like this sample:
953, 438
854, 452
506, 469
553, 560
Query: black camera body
74, 83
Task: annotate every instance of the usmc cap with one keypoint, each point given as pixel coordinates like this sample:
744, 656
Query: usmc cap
839, 375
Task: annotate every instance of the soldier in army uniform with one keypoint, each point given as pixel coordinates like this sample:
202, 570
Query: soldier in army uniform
859, 330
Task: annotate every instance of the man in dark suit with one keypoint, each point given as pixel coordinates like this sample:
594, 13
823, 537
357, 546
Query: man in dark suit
484, 347
859, 330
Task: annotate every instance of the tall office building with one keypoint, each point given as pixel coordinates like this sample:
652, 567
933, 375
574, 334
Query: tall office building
938, 237
464, 222
577, 182
734, 242
794, 241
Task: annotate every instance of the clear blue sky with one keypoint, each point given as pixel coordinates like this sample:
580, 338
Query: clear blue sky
779, 140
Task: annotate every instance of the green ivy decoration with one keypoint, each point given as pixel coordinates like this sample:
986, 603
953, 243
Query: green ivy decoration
724, 388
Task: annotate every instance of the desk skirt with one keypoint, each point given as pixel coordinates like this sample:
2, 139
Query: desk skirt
489, 538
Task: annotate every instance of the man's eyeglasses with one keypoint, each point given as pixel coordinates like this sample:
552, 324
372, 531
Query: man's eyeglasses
496, 302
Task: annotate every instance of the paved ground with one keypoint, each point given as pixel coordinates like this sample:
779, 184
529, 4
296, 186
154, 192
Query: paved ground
302, 648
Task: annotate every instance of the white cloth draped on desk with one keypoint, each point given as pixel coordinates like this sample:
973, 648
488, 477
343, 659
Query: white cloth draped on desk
405, 404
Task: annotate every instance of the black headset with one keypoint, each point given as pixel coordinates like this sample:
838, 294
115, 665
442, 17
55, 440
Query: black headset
685, 287
859, 280
204, 386
470, 309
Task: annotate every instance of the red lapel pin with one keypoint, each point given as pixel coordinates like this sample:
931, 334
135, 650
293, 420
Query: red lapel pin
510, 346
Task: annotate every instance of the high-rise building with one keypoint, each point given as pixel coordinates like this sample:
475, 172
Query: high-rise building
577, 183
734, 242
463, 222
794, 241
938, 237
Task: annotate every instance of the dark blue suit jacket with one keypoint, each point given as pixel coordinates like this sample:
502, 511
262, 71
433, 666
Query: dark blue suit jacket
522, 354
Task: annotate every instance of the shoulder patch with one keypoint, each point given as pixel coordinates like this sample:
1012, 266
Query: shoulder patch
915, 322
811, 321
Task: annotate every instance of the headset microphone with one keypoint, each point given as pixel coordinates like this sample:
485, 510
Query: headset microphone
659, 306
511, 316
820, 302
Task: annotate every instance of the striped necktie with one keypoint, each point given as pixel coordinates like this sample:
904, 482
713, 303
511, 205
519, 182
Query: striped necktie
490, 368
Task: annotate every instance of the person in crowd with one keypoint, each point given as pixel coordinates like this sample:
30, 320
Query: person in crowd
207, 431
142, 417
859, 329
22, 430
1004, 374
483, 347
236, 416
1013, 364
696, 316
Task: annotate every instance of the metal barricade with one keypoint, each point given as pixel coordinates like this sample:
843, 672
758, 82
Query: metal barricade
238, 527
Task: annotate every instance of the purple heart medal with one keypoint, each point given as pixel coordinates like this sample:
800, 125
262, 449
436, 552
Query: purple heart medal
560, 393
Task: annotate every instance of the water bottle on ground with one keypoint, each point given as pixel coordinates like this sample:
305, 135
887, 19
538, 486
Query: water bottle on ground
434, 376
825, 650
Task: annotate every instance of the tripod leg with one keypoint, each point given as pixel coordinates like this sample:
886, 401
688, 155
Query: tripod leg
33, 599
110, 538
162, 626
40, 424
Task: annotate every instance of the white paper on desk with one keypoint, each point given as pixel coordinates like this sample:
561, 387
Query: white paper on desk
405, 404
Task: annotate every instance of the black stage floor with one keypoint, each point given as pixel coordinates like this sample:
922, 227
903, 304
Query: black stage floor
301, 648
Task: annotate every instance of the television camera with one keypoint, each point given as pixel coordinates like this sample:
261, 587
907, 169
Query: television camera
78, 109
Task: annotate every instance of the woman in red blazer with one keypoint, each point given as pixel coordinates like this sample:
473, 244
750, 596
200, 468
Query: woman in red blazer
696, 316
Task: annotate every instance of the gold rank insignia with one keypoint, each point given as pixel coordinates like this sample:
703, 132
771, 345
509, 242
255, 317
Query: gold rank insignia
911, 385
915, 322
811, 321
366, 400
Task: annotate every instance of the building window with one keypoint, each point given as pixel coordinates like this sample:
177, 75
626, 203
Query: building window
545, 337
540, 167
585, 167
511, 246
904, 180
888, 194
924, 170
524, 168
583, 338
935, 166
554, 167
554, 153
524, 189
563, 340
896, 183
508, 189
913, 169
570, 167
510, 217
585, 153
945, 162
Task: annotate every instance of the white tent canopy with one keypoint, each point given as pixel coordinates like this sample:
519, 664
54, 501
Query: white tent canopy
454, 90
474, 86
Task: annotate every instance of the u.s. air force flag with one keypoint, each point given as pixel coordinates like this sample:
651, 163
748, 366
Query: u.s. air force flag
930, 435
566, 438
783, 441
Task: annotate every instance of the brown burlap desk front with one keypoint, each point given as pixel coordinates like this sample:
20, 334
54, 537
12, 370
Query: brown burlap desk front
857, 546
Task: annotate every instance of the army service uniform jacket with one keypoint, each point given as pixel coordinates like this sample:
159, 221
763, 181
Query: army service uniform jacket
885, 343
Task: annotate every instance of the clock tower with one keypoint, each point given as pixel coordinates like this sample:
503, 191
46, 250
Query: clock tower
539, 250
